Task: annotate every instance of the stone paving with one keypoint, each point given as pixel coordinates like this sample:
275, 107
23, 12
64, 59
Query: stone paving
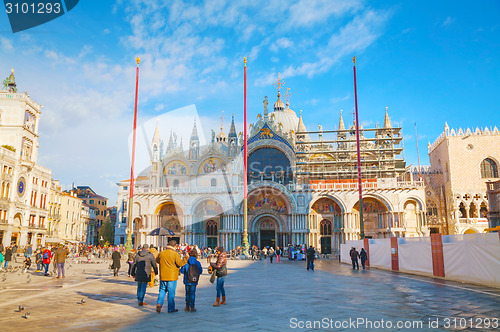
261, 297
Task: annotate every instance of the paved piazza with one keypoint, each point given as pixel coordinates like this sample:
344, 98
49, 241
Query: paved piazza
261, 297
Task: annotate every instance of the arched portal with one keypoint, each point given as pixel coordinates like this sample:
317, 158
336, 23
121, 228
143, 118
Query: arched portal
269, 211
267, 229
170, 217
212, 232
328, 216
207, 217
375, 216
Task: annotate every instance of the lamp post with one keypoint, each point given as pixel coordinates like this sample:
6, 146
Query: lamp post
128, 244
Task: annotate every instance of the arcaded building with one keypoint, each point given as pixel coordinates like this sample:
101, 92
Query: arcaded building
302, 185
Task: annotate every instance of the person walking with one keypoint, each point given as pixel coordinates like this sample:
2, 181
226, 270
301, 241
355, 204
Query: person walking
28, 252
144, 261
170, 262
191, 270
153, 274
354, 258
271, 254
7, 257
221, 266
264, 252
130, 261
363, 256
278, 254
14, 252
60, 260
46, 258
1, 259
310, 256
116, 257
39, 260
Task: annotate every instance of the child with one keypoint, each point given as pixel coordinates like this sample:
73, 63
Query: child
27, 264
191, 278
39, 261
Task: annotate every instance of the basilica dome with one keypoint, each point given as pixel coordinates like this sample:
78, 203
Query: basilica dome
288, 120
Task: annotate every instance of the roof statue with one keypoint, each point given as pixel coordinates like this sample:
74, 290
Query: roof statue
265, 102
9, 83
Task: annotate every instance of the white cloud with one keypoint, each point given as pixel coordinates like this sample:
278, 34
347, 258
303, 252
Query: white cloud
448, 21
310, 12
281, 44
6, 44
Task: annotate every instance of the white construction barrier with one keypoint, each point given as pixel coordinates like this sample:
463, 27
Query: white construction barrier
415, 255
472, 258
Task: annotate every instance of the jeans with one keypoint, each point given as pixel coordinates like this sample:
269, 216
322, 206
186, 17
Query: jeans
363, 263
6, 263
60, 269
310, 264
220, 286
39, 266
46, 265
190, 295
141, 290
167, 287
355, 262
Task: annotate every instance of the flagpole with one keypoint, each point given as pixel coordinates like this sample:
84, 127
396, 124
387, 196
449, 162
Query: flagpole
128, 244
418, 155
361, 206
245, 180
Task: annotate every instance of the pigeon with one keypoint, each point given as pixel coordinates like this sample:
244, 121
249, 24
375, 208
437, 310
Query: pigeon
82, 301
26, 315
21, 308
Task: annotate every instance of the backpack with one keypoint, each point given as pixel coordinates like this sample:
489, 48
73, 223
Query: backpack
193, 274
46, 255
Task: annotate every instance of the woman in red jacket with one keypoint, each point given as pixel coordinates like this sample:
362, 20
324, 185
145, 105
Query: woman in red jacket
46, 257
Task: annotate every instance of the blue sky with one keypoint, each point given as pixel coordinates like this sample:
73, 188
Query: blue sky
427, 61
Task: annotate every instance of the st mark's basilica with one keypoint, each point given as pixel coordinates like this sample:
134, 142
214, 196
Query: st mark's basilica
302, 186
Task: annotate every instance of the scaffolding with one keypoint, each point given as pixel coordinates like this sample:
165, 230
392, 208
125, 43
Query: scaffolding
330, 156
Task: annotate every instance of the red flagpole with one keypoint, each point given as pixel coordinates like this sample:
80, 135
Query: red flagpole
128, 245
244, 242
361, 206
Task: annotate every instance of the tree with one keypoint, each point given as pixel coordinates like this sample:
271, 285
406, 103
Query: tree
107, 231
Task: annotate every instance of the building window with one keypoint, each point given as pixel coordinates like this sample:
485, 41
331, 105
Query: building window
211, 228
489, 168
91, 201
326, 227
176, 183
213, 182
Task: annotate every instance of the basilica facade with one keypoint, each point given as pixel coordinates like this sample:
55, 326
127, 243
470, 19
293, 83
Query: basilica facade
302, 186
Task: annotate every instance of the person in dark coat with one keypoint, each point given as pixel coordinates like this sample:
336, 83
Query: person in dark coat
310, 255
354, 258
363, 256
144, 261
8, 256
116, 256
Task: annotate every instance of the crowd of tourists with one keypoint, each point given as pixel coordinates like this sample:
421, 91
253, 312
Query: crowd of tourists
147, 262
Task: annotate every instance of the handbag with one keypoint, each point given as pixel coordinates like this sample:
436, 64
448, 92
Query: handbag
212, 277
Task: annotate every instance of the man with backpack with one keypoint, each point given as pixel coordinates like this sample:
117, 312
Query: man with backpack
170, 262
191, 271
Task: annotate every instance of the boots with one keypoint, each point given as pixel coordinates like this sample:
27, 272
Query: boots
223, 300
186, 308
217, 302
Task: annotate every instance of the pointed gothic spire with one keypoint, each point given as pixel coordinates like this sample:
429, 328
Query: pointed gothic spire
301, 127
232, 131
194, 133
156, 136
387, 121
341, 122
